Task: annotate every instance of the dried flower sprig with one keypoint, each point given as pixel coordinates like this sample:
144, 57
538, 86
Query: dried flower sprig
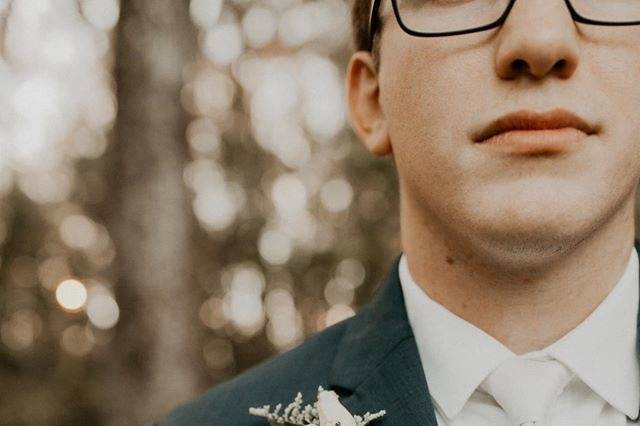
294, 414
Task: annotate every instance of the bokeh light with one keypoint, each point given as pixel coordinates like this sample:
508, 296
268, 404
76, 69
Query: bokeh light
212, 313
21, 329
78, 232
101, 13
71, 294
223, 44
336, 195
205, 13
275, 247
338, 313
284, 328
260, 25
243, 302
77, 340
102, 310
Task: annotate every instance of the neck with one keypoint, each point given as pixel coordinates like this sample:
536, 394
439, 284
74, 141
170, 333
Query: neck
526, 303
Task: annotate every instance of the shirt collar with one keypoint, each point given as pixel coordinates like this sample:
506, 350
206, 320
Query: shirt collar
601, 350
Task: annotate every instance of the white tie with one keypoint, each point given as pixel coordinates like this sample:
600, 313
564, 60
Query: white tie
527, 388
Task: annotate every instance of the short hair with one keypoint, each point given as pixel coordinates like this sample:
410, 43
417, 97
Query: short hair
360, 27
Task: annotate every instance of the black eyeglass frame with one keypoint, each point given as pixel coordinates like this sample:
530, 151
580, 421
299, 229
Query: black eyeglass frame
374, 22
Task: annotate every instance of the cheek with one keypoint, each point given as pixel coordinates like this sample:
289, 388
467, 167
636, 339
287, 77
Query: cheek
418, 122
429, 99
615, 74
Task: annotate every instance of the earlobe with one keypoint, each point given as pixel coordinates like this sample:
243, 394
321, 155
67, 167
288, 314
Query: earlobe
365, 112
377, 142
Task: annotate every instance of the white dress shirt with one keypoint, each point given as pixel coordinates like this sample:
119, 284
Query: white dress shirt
601, 351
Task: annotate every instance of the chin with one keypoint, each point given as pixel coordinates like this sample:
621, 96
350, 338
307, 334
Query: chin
517, 252
530, 234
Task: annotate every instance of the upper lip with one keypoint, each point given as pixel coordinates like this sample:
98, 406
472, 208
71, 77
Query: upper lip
530, 120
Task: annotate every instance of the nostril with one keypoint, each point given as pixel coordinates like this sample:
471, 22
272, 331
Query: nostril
560, 65
519, 65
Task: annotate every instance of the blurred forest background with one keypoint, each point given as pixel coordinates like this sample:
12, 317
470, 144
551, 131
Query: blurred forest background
181, 197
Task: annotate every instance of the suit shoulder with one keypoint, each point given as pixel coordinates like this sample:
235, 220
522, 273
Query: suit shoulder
275, 380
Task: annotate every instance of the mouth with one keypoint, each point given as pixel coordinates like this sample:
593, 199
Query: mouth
529, 132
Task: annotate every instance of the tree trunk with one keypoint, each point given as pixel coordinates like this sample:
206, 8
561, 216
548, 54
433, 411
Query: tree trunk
155, 363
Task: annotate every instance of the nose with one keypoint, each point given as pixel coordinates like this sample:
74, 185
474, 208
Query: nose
538, 38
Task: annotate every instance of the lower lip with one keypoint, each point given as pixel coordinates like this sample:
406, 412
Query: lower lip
536, 142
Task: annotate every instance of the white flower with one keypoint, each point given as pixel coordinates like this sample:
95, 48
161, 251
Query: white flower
327, 410
331, 412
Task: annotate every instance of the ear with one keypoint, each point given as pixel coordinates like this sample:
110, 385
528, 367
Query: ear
365, 112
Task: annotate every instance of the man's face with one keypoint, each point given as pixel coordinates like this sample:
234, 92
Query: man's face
436, 93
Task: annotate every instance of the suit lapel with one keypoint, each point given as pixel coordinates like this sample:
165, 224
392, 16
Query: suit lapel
377, 366
398, 387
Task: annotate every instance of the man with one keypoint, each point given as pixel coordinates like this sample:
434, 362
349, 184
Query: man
514, 129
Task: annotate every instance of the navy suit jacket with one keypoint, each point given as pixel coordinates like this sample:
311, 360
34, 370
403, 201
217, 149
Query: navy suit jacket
370, 360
